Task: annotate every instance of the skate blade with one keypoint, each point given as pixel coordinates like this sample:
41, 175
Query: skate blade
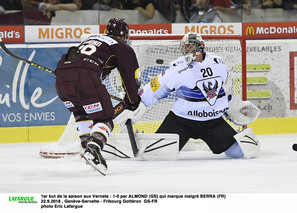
100, 168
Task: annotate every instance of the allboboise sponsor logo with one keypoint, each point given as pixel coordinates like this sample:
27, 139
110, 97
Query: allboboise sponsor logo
205, 114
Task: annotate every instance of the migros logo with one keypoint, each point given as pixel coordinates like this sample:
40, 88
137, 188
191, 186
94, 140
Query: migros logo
211, 29
62, 32
250, 31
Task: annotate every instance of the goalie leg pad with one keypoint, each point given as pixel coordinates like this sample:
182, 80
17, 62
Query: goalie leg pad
160, 146
248, 142
234, 151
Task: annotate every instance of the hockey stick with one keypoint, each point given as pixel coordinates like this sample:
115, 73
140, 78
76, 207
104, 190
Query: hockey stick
132, 138
2, 45
118, 109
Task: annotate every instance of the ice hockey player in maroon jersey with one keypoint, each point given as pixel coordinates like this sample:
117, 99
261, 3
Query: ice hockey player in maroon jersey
79, 85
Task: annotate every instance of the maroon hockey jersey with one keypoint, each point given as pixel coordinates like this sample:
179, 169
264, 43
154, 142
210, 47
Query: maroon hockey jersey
102, 53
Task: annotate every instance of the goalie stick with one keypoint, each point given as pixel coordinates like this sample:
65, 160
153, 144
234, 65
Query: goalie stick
7, 51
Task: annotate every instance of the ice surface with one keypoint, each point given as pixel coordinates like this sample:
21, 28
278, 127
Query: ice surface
274, 170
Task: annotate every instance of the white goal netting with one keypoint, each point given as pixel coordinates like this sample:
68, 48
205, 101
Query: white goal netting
154, 57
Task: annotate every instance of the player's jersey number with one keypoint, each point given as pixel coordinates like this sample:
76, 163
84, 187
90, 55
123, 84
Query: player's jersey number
88, 49
206, 72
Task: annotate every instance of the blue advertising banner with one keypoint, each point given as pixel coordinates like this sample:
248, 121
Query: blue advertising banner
27, 94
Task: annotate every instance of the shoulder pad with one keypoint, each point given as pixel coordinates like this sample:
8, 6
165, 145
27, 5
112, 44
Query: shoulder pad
215, 58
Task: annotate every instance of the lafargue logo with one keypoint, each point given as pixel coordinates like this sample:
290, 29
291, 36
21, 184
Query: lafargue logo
22, 199
250, 30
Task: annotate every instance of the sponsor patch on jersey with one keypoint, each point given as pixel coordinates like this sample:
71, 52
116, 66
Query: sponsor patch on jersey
68, 104
92, 108
154, 84
140, 92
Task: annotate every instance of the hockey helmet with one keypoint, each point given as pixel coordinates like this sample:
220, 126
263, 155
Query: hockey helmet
118, 27
191, 46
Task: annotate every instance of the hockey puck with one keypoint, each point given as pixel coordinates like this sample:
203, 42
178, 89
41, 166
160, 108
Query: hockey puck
294, 147
159, 61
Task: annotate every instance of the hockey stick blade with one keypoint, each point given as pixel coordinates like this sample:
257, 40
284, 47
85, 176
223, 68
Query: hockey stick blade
4, 48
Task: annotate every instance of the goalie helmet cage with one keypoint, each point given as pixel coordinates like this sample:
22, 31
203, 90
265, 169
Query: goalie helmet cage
154, 53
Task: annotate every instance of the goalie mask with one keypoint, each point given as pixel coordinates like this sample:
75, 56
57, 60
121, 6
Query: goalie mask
191, 46
118, 27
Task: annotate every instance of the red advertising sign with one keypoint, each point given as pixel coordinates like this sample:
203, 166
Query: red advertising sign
270, 30
159, 29
12, 34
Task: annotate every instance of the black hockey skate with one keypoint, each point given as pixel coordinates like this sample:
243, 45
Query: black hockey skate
94, 158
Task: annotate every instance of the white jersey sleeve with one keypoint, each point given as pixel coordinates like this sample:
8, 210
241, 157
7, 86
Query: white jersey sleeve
160, 86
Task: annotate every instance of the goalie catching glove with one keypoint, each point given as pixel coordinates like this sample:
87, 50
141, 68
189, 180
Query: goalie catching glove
132, 111
242, 112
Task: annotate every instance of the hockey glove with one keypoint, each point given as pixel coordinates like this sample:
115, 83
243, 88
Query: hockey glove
134, 115
129, 105
242, 112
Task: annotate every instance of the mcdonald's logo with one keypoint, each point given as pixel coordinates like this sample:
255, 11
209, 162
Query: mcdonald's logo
250, 31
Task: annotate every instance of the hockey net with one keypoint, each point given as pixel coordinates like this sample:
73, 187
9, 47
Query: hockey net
154, 53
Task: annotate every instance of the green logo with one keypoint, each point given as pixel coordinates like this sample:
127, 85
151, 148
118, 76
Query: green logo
22, 199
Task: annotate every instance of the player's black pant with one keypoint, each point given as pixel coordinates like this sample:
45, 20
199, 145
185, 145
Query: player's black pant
216, 133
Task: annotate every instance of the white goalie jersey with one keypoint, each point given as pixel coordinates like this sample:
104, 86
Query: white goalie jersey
199, 86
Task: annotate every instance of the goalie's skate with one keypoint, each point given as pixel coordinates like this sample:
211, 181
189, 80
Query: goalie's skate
94, 158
